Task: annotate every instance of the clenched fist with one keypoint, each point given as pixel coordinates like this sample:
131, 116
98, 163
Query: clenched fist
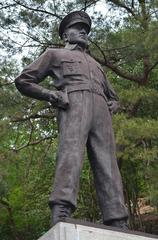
113, 106
59, 99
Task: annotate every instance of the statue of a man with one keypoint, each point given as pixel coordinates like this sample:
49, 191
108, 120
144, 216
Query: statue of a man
85, 101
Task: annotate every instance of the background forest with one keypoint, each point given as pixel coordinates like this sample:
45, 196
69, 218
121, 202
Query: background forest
124, 39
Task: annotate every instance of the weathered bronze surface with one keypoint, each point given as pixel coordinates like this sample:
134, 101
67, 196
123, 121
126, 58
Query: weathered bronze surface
85, 102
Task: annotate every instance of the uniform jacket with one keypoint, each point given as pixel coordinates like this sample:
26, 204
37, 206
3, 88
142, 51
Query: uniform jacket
70, 68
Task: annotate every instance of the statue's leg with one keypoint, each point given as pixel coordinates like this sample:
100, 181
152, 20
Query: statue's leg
101, 151
74, 124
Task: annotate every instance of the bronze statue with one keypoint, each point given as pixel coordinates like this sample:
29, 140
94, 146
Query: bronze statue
85, 101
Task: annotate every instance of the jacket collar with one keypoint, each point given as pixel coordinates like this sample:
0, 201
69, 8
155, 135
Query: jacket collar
75, 47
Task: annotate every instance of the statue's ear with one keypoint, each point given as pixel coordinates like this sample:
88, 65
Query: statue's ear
64, 37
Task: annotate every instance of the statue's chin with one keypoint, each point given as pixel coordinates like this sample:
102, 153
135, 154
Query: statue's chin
81, 43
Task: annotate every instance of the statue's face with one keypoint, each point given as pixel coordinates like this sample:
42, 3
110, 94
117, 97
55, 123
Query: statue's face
77, 33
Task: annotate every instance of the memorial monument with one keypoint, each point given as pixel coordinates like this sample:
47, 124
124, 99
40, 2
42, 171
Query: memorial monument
85, 101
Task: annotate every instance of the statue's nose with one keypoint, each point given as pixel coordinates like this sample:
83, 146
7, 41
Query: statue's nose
83, 31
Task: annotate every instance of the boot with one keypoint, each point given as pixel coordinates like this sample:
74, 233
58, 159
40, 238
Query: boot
59, 213
119, 223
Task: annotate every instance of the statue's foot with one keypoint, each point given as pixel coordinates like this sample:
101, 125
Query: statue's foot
119, 223
59, 213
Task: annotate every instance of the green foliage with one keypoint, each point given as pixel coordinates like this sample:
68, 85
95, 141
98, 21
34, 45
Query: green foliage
28, 128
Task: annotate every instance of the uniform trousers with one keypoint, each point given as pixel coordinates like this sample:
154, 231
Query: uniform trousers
87, 122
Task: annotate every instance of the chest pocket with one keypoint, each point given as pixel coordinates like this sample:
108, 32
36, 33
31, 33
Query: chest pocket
70, 68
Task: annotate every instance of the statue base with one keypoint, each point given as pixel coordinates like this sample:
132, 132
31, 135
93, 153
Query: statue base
78, 230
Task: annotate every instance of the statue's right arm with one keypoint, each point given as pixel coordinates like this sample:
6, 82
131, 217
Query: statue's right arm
27, 82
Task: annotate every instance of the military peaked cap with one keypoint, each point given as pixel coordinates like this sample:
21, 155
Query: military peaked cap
72, 18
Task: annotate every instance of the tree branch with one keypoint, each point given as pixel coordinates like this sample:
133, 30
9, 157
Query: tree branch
153, 66
115, 69
89, 5
37, 10
33, 116
34, 38
7, 6
6, 84
122, 5
31, 143
6, 204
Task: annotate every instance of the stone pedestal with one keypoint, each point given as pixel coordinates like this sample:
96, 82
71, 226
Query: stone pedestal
75, 230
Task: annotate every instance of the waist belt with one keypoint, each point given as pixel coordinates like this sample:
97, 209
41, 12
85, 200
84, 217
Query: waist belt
99, 92
94, 89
